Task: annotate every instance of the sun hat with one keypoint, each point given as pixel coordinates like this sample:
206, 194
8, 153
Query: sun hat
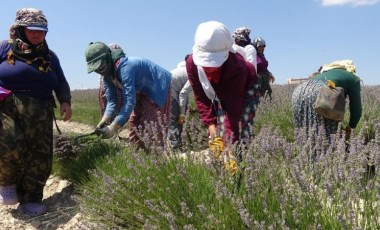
32, 19
43, 28
213, 42
97, 53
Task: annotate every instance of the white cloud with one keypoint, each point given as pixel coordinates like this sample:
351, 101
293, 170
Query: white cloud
351, 2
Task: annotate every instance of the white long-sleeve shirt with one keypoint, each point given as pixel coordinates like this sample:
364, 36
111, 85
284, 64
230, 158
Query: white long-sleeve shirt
180, 87
248, 52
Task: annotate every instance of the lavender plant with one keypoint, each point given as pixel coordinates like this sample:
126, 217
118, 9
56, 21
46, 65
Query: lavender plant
282, 182
277, 111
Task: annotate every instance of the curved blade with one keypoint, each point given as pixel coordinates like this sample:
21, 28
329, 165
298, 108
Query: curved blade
76, 139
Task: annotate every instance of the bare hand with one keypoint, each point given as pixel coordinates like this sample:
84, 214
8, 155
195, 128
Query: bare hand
271, 78
211, 131
65, 110
181, 119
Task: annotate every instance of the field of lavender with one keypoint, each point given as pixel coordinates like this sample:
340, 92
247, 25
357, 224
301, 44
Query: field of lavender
276, 186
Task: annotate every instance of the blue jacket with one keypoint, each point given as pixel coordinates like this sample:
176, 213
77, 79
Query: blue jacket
136, 75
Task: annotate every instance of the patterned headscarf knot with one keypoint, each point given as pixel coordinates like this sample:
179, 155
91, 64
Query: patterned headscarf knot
242, 34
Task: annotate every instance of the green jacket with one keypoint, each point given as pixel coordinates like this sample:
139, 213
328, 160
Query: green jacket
351, 85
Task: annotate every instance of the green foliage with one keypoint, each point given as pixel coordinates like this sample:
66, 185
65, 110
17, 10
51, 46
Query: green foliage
85, 107
280, 183
276, 112
78, 169
139, 190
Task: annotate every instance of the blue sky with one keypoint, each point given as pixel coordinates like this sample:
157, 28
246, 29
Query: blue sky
301, 35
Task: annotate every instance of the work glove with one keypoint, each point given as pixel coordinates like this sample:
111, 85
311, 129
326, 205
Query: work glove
103, 122
106, 132
181, 119
216, 146
230, 163
231, 166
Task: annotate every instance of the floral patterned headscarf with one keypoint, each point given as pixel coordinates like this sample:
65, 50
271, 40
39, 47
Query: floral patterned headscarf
241, 36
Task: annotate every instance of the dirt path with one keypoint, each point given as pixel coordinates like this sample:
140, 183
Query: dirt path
75, 127
62, 213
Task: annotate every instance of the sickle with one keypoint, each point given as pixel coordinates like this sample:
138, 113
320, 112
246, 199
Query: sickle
76, 139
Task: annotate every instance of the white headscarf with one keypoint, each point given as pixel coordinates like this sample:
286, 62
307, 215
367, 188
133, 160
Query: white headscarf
206, 85
212, 44
343, 64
